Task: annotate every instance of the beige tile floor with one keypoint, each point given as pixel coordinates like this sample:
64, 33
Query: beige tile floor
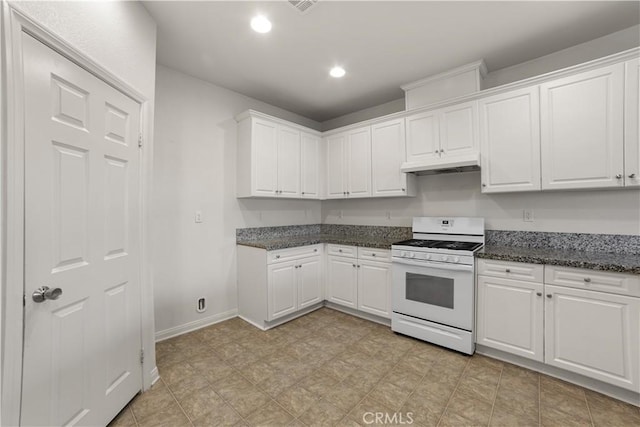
329, 368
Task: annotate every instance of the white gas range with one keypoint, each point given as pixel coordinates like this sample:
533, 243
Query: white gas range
433, 296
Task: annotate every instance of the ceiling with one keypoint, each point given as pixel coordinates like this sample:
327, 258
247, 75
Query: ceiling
381, 44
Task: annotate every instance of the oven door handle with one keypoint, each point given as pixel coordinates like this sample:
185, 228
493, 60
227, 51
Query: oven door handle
439, 265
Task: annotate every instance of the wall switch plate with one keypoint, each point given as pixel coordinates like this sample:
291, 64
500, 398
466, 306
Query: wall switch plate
198, 217
527, 215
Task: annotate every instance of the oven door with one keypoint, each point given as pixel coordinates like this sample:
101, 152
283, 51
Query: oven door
441, 293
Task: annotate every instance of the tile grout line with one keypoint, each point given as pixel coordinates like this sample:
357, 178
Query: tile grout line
539, 400
176, 400
444, 411
586, 401
135, 420
495, 397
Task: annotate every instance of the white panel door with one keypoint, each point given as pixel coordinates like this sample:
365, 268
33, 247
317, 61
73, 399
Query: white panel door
282, 289
82, 235
459, 129
632, 124
288, 162
359, 163
594, 334
264, 158
336, 173
374, 288
581, 122
510, 141
309, 282
423, 137
510, 316
310, 162
342, 281
387, 155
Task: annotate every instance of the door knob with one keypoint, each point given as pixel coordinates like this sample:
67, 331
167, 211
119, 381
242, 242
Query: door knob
633, 175
619, 176
45, 292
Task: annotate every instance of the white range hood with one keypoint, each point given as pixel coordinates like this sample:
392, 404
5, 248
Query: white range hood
447, 164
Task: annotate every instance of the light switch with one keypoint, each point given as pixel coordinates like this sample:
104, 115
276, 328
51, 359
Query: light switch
527, 215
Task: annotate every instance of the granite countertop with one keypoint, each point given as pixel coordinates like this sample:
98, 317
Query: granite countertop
272, 244
616, 262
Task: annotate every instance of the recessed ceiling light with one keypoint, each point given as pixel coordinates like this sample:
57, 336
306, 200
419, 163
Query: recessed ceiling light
337, 72
261, 24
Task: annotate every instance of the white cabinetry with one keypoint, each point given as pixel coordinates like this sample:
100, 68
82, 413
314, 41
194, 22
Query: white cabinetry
594, 334
510, 141
388, 153
632, 124
310, 157
359, 278
510, 308
349, 164
276, 284
582, 130
270, 157
449, 132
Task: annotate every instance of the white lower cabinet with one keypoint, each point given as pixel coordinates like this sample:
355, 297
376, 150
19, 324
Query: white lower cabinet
359, 278
583, 321
374, 280
510, 316
342, 281
282, 289
309, 282
594, 334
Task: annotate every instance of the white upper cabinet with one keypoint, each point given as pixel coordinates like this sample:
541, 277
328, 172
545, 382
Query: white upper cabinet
632, 124
310, 165
349, 164
510, 141
270, 158
288, 162
446, 132
581, 119
387, 155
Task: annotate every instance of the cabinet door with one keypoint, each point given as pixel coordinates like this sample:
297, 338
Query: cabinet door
342, 281
336, 166
581, 121
264, 158
510, 141
423, 137
374, 288
310, 161
632, 124
288, 162
281, 289
594, 334
309, 282
459, 129
359, 163
510, 316
387, 155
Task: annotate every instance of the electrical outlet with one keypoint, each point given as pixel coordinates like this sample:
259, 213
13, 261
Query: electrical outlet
339, 214
201, 305
388, 214
198, 217
527, 215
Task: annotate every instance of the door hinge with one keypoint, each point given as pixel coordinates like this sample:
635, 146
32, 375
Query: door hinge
141, 357
140, 140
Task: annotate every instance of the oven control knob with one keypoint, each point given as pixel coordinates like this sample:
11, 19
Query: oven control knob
456, 259
428, 256
445, 258
403, 253
412, 255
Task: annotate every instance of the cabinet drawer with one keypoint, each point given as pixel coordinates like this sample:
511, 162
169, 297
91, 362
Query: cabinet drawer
282, 255
374, 254
511, 270
342, 250
615, 283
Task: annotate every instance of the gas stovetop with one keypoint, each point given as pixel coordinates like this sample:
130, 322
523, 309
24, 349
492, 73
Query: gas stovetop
440, 244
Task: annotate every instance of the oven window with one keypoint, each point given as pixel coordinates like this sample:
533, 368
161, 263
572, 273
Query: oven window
430, 290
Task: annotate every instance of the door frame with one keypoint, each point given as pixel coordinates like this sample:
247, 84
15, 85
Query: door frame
13, 23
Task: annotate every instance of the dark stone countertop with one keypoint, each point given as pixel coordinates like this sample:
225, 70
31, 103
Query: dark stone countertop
620, 263
312, 239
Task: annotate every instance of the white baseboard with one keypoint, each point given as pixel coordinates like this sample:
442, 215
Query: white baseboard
358, 313
196, 324
155, 375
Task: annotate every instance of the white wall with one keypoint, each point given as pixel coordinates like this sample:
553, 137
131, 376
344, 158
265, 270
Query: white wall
458, 194
195, 149
366, 114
